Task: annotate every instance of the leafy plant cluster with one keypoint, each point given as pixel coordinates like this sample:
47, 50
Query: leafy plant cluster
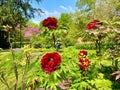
69, 76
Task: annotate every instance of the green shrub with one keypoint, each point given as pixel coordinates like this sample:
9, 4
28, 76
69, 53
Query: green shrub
85, 45
17, 44
42, 42
91, 45
68, 42
108, 45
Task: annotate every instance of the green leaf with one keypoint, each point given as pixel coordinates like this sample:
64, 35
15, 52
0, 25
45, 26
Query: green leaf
117, 23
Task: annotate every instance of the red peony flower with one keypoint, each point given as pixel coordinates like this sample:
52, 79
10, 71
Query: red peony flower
50, 22
50, 62
84, 63
82, 53
93, 25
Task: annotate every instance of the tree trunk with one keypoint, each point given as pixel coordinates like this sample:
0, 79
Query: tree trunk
98, 47
54, 40
20, 37
116, 65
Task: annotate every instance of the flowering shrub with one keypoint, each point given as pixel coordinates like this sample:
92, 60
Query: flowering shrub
93, 25
97, 30
82, 53
50, 62
50, 23
30, 32
84, 63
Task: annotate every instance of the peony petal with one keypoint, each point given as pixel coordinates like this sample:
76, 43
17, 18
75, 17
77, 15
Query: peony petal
50, 62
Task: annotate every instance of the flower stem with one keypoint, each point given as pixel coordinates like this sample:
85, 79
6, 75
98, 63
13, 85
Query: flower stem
25, 70
53, 36
14, 64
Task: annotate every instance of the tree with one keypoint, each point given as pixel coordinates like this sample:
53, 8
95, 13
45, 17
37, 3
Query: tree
67, 28
17, 12
65, 21
89, 10
99, 9
52, 24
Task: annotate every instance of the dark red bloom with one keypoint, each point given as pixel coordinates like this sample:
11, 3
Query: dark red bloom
82, 53
50, 22
93, 25
84, 63
50, 62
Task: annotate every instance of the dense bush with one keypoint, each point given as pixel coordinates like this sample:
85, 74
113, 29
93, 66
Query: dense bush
108, 45
41, 41
68, 42
20, 44
85, 45
91, 45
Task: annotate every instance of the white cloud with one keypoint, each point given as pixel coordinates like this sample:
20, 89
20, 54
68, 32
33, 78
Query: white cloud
63, 7
48, 13
67, 8
53, 13
44, 15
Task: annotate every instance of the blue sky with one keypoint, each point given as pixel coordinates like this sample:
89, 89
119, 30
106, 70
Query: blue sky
53, 8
